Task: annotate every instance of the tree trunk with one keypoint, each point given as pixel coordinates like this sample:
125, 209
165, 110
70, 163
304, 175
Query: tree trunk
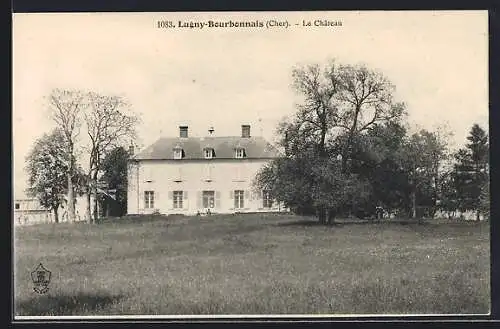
95, 213
414, 204
88, 214
478, 215
329, 216
347, 146
56, 215
321, 216
71, 199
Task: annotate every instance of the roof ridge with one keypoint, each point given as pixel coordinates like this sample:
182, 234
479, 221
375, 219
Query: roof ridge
255, 146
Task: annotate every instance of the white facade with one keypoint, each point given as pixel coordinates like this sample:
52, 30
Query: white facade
158, 185
190, 175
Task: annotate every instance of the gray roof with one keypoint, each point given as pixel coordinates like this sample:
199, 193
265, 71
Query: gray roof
224, 147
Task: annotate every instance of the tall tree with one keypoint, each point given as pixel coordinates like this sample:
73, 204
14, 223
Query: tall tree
46, 166
365, 99
109, 124
340, 103
484, 200
376, 156
422, 159
339, 100
472, 170
114, 168
65, 110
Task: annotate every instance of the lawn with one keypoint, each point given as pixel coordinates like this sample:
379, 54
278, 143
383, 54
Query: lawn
253, 264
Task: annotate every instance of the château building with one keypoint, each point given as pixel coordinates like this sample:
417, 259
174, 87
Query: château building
191, 175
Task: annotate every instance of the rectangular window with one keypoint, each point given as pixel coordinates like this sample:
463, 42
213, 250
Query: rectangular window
208, 199
239, 199
149, 199
17, 205
178, 197
267, 201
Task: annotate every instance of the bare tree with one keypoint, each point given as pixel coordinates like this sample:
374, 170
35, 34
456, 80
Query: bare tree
318, 114
65, 110
366, 99
341, 100
109, 124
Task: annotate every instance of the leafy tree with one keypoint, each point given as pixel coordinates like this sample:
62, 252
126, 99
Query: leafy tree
313, 185
424, 154
471, 171
484, 200
449, 199
376, 156
340, 104
114, 167
46, 165
288, 179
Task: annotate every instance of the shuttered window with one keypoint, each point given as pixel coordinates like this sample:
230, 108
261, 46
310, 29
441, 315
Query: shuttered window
267, 201
149, 199
208, 199
239, 199
178, 199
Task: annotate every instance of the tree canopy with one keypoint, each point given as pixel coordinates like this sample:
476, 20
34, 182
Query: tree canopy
47, 166
349, 152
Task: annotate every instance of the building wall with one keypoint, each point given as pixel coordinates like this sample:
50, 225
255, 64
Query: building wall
24, 217
223, 176
29, 211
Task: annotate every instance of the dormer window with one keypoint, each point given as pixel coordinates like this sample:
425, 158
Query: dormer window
178, 153
209, 153
240, 153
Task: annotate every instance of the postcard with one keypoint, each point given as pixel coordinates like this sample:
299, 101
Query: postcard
194, 165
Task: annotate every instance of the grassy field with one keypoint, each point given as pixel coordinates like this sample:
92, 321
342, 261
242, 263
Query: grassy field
253, 264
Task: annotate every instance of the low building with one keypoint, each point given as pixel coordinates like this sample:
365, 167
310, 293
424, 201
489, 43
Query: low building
29, 211
191, 175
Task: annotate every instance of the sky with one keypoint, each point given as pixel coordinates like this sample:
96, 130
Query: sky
226, 77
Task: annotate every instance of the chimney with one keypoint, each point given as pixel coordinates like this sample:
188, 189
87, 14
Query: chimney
210, 131
183, 131
245, 131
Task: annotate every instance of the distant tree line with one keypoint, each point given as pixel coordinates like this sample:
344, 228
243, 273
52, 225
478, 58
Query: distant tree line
348, 152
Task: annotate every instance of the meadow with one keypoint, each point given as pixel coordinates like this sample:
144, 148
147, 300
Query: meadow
253, 264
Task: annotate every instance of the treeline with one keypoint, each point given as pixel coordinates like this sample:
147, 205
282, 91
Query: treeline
348, 152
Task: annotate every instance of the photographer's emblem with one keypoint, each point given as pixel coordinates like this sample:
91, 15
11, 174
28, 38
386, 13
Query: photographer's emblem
41, 279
